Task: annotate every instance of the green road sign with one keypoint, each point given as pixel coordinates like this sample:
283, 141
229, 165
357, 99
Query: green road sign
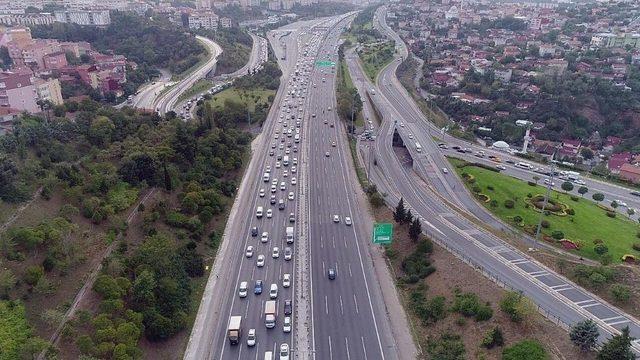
382, 233
325, 63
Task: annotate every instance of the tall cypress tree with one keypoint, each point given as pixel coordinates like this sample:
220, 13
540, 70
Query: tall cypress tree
400, 213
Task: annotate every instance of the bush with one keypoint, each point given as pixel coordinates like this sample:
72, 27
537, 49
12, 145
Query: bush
611, 214
517, 219
516, 306
529, 195
545, 224
429, 311
490, 188
509, 204
531, 183
448, 346
525, 350
469, 305
570, 211
493, 338
493, 203
33, 274
575, 198
476, 189
636, 246
557, 234
620, 293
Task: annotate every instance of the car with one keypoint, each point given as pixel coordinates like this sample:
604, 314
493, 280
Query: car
286, 280
635, 193
292, 218
333, 143
283, 186
325, 121
251, 337
291, 195
273, 291
284, 348
347, 221
331, 273
313, 115
294, 169
445, 171
288, 253
261, 193
260, 261
249, 252
273, 189
254, 231
410, 136
336, 218
288, 308
281, 204
287, 151
295, 181
268, 169
269, 214
286, 325
549, 182
257, 288
501, 167
242, 290
621, 203
401, 124
331, 125
272, 200
275, 253
277, 164
326, 154
265, 237
271, 152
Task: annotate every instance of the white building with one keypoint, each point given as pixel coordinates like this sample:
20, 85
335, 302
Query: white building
27, 19
84, 17
203, 20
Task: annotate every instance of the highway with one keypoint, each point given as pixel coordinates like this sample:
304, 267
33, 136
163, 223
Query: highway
449, 213
343, 318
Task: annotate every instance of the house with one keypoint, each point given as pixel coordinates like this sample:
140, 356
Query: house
617, 160
630, 173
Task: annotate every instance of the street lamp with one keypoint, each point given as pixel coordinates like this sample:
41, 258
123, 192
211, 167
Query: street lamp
546, 198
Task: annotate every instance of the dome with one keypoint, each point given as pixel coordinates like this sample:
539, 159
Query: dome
500, 145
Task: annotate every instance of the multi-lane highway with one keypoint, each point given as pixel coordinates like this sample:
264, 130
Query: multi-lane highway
445, 207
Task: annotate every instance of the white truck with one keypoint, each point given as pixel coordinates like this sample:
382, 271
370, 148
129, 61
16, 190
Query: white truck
289, 234
234, 330
270, 314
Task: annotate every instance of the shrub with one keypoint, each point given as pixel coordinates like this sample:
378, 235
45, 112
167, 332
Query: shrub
517, 219
600, 249
493, 203
509, 204
476, 189
493, 338
33, 274
525, 350
597, 241
570, 211
636, 246
490, 188
529, 195
545, 224
469, 305
575, 198
531, 183
611, 214
620, 293
557, 234
448, 346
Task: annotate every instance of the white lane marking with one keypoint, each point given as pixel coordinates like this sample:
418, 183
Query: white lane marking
330, 350
350, 274
364, 348
333, 241
355, 302
326, 305
341, 306
346, 344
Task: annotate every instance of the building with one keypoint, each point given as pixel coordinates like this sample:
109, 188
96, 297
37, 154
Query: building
27, 19
630, 173
616, 40
203, 20
49, 90
225, 22
546, 50
17, 92
84, 17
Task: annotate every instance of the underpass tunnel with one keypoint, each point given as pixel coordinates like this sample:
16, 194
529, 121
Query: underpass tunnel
401, 151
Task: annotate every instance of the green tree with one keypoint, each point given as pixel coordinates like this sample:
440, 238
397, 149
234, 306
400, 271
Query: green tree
567, 186
617, 348
447, 347
101, 130
620, 293
614, 204
583, 190
600, 249
584, 334
525, 350
598, 197
408, 218
630, 212
415, 229
33, 274
400, 214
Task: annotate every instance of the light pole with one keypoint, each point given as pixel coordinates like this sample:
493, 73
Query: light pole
546, 199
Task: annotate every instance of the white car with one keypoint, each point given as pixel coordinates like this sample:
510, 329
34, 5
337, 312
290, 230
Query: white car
284, 348
283, 186
333, 144
268, 169
249, 252
275, 253
265, 237
291, 196
277, 164
269, 214
294, 169
326, 154
286, 326
336, 218
242, 291
444, 170
294, 181
273, 189
285, 173
273, 291
251, 337
261, 193
260, 261
347, 220
286, 280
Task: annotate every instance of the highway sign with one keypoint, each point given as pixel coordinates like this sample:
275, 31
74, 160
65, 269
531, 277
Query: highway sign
382, 233
325, 63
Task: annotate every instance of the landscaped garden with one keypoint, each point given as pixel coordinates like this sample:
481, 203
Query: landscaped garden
574, 223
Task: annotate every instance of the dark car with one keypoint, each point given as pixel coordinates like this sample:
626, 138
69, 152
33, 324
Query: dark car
257, 288
254, 231
332, 274
287, 307
635, 193
292, 218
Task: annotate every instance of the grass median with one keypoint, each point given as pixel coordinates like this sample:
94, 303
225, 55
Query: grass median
574, 223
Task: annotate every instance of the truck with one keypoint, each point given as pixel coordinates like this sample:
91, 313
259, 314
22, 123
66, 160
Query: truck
270, 314
235, 329
289, 234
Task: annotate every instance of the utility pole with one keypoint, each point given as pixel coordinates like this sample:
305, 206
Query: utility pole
546, 200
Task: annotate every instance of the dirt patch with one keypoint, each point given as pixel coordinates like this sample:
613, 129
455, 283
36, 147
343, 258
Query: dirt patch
451, 273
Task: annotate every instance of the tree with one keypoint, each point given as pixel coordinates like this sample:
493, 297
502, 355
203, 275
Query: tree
567, 186
601, 249
400, 213
583, 190
598, 197
584, 334
525, 350
536, 178
630, 212
408, 218
614, 204
620, 292
617, 348
415, 230
586, 153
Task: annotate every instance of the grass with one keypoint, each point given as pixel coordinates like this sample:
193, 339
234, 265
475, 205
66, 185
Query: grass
247, 97
376, 56
362, 175
14, 329
589, 223
200, 86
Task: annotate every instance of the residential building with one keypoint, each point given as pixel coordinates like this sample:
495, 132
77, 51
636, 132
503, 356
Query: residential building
49, 90
84, 17
630, 173
17, 92
27, 19
203, 20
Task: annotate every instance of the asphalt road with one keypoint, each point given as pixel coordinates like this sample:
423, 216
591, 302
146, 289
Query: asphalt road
444, 207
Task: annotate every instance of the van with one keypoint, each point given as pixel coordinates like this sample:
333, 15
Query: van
268, 355
259, 212
266, 177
